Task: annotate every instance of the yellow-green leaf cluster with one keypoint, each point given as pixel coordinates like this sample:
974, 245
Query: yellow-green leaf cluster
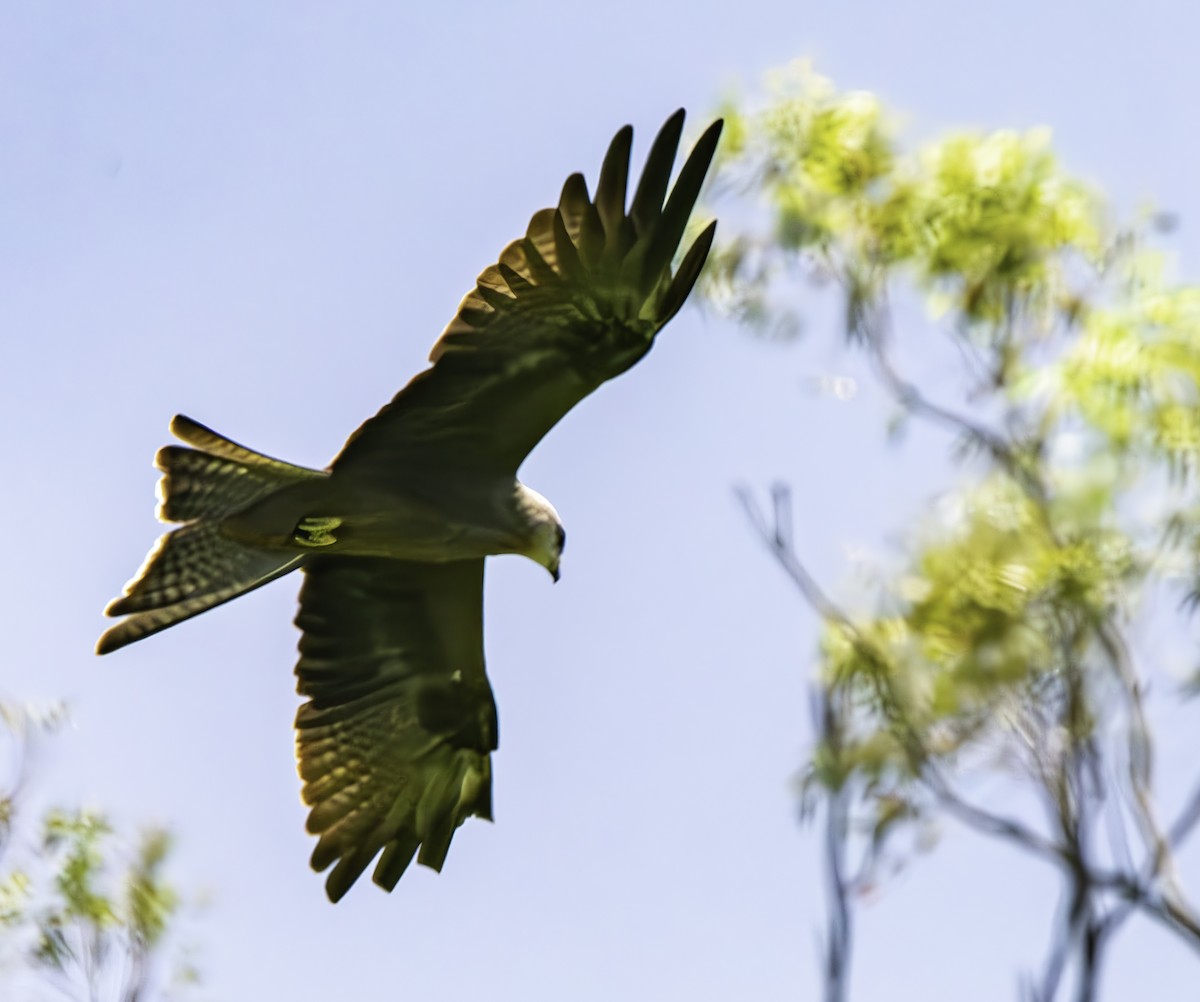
150, 900
992, 213
79, 836
101, 900
984, 221
1133, 373
990, 608
83, 908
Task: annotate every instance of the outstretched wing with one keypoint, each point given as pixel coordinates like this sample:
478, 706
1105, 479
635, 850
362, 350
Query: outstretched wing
394, 741
573, 303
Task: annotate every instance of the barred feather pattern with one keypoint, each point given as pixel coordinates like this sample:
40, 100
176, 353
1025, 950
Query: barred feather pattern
191, 560
199, 485
195, 567
573, 303
394, 742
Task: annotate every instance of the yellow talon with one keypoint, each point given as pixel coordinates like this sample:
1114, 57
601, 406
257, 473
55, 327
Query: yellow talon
316, 531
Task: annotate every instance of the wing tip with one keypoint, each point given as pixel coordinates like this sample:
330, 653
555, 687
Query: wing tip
110, 641
136, 626
189, 430
688, 274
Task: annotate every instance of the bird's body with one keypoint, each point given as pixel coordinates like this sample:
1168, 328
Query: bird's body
394, 741
435, 520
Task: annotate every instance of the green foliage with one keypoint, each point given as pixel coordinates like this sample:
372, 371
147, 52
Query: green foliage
1001, 644
75, 840
1133, 371
985, 224
92, 912
100, 904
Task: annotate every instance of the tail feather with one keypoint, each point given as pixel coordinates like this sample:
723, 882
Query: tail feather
200, 485
194, 567
207, 440
143, 624
193, 560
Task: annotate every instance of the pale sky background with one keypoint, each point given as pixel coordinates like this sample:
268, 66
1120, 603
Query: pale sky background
261, 215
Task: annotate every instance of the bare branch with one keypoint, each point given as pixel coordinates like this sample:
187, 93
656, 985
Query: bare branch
1186, 822
873, 333
975, 817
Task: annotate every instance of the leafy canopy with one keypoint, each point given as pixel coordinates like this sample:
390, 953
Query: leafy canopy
1002, 644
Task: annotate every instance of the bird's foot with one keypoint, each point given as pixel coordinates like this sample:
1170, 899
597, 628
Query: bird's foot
316, 531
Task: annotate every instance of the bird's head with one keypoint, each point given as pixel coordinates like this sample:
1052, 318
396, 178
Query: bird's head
544, 533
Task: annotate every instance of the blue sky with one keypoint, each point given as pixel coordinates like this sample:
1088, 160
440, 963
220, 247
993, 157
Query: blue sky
261, 215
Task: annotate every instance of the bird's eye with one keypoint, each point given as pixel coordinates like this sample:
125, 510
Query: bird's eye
562, 538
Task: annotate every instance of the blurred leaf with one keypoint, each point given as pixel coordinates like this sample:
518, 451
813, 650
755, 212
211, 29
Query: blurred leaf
85, 911
998, 644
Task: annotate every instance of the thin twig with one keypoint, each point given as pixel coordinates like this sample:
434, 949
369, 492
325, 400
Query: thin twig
839, 947
776, 537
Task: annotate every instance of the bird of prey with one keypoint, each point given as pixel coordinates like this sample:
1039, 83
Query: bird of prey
395, 739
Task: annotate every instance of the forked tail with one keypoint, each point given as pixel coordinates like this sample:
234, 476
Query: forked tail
194, 567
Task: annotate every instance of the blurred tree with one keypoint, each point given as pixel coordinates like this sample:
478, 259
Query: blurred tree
1002, 645
85, 914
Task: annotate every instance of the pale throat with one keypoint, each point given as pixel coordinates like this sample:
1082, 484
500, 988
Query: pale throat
538, 524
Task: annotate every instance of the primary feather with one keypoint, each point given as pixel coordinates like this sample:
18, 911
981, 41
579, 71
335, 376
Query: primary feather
573, 303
